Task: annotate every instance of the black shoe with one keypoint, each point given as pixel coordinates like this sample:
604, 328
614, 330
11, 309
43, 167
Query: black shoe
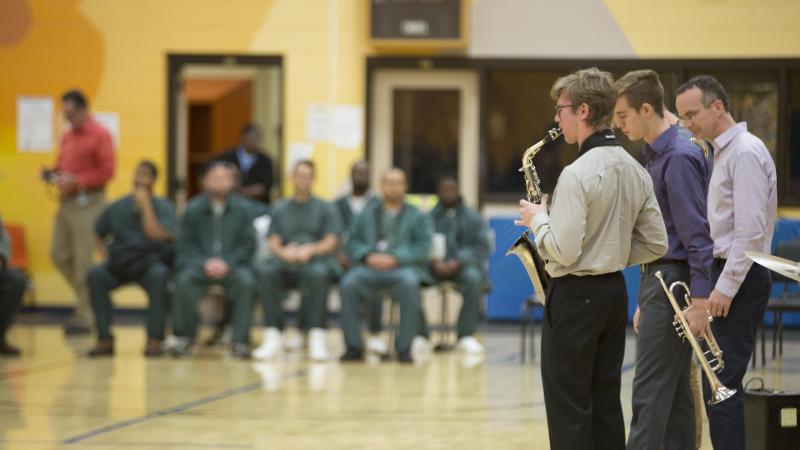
352, 354
404, 357
74, 329
8, 350
153, 348
240, 351
104, 347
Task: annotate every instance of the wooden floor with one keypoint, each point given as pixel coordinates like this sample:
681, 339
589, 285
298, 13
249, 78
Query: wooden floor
55, 398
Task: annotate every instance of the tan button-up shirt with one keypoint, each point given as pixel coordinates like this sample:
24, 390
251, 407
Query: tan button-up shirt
742, 203
603, 218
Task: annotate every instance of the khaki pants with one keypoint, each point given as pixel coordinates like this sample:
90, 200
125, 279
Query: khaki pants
699, 408
73, 247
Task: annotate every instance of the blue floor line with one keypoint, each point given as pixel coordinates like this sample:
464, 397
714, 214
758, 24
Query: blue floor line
173, 410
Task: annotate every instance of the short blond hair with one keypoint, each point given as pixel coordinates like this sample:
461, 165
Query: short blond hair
640, 87
591, 86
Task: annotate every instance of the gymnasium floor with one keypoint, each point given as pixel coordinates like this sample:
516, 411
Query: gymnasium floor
55, 398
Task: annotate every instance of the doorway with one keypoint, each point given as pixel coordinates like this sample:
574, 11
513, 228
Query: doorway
426, 122
211, 98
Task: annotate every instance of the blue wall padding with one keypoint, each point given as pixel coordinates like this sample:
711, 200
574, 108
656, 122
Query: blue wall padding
511, 286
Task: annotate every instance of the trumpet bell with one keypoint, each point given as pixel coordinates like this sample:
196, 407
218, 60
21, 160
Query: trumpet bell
720, 394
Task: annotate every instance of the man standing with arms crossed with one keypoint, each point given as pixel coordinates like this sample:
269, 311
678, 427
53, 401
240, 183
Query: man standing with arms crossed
85, 165
604, 218
663, 408
742, 206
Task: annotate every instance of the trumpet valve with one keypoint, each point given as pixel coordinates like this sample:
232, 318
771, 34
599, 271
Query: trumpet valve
679, 329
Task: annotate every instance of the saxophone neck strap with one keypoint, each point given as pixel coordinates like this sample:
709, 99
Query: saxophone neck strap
602, 138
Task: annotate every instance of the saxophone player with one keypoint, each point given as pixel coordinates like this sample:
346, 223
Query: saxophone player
663, 406
604, 217
742, 207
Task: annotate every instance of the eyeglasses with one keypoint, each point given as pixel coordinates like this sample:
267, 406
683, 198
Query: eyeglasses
558, 108
689, 116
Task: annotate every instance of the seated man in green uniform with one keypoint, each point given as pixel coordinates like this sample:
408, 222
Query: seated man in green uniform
390, 242
350, 206
215, 245
12, 288
467, 249
303, 237
137, 231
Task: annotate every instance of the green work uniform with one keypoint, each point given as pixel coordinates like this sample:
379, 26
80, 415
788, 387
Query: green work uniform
373, 306
120, 224
12, 286
300, 223
207, 232
407, 236
467, 241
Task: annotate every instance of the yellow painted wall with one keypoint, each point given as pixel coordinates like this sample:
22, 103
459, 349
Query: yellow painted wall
710, 28
116, 52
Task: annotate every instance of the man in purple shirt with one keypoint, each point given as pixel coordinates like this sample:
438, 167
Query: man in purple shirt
742, 206
663, 407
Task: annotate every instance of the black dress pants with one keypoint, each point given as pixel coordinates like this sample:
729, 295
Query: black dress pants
583, 344
736, 335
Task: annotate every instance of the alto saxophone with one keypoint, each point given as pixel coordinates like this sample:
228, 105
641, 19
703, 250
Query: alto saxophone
523, 247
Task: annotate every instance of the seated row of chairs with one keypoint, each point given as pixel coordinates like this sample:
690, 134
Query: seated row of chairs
386, 248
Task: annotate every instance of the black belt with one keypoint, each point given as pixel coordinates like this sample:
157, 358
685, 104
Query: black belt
571, 277
663, 262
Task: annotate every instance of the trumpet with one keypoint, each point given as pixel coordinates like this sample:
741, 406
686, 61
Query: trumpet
523, 247
711, 359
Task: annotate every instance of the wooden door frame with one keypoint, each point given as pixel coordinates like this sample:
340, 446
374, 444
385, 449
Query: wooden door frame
175, 65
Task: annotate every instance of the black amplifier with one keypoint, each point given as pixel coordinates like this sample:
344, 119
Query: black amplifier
771, 418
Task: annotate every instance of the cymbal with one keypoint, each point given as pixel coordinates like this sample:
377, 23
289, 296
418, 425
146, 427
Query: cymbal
785, 267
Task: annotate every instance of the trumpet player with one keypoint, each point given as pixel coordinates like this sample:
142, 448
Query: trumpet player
663, 406
742, 206
604, 217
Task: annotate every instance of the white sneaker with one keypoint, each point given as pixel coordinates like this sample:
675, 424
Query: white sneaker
420, 346
170, 342
178, 346
271, 344
377, 345
469, 345
318, 344
293, 342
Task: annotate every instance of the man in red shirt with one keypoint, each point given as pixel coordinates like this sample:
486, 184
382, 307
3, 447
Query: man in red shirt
85, 165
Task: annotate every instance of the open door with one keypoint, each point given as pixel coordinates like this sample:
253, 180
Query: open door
211, 99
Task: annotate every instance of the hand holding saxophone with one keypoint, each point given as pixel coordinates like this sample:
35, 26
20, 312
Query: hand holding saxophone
527, 210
